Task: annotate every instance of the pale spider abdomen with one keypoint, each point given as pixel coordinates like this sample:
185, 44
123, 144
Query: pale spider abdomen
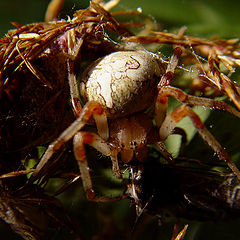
122, 82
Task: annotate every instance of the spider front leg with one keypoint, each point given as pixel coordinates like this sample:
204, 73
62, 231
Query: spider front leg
98, 143
179, 113
161, 103
73, 49
90, 109
166, 91
74, 93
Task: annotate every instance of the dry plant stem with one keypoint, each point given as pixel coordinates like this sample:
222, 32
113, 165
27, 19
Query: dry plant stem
176, 235
182, 233
33, 69
219, 50
54, 8
16, 173
222, 81
231, 90
110, 4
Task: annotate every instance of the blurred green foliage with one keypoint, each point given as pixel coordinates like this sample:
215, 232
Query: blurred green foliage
203, 18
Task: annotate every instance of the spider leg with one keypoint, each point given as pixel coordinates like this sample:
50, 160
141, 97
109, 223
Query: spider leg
153, 138
91, 108
165, 80
73, 49
168, 156
179, 113
161, 102
74, 45
181, 96
74, 93
182, 133
115, 166
98, 143
165, 91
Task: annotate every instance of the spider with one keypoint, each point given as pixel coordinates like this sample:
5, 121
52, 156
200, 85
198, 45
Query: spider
117, 89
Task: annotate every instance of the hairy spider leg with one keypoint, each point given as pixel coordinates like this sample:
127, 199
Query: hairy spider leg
73, 50
166, 91
168, 123
153, 138
99, 144
182, 111
168, 156
74, 93
161, 102
91, 108
74, 46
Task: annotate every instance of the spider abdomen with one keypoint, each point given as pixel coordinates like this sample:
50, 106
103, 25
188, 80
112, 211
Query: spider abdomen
122, 82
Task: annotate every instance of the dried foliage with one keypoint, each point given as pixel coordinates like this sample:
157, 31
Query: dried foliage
34, 93
29, 211
209, 56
